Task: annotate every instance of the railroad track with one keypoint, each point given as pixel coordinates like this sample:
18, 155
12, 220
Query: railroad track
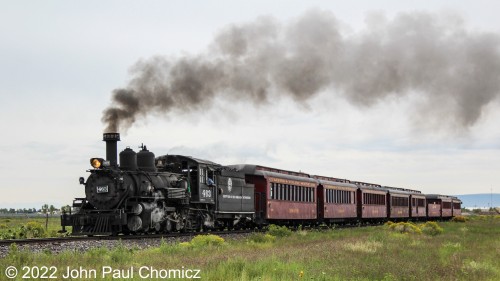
57, 240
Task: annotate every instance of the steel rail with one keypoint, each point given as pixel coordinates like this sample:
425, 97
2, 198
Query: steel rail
58, 240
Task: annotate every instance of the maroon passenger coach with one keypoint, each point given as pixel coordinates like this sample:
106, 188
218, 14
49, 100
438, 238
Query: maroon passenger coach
398, 203
282, 195
336, 199
418, 206
457, 209
372, 201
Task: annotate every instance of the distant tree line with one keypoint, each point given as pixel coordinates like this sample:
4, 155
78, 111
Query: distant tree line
45, 209
19, 211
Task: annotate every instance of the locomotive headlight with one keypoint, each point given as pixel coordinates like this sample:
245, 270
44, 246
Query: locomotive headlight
96, 162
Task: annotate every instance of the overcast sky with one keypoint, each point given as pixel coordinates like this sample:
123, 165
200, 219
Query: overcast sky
61, 60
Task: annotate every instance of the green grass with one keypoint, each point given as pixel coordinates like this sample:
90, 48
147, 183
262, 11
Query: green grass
463, 251
14, 224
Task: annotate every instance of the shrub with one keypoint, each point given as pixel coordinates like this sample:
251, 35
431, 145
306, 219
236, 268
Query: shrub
261, 238
32, 229
405, 227
207, 240
431, 228
459, 219
7, 235
279, 231
3, 226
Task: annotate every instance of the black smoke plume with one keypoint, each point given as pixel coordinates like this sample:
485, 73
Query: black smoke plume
454, 70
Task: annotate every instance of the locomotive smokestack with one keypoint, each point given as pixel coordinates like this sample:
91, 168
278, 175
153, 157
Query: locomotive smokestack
111, 140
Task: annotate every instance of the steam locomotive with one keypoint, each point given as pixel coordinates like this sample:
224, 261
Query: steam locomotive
144, 194
169, 193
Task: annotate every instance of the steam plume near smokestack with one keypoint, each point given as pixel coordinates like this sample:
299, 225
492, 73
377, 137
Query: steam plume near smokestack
454, 69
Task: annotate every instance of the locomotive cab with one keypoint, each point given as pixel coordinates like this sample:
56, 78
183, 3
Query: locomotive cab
200, 174
219, 189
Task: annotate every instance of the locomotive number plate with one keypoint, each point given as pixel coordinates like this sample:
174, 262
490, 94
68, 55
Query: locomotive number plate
102, 189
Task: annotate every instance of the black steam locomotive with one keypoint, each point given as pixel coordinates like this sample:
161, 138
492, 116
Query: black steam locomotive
170, 193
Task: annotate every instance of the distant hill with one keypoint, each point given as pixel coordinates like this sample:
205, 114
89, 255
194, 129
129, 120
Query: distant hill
483, 200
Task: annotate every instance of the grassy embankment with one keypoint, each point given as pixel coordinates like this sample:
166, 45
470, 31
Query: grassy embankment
463, 251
